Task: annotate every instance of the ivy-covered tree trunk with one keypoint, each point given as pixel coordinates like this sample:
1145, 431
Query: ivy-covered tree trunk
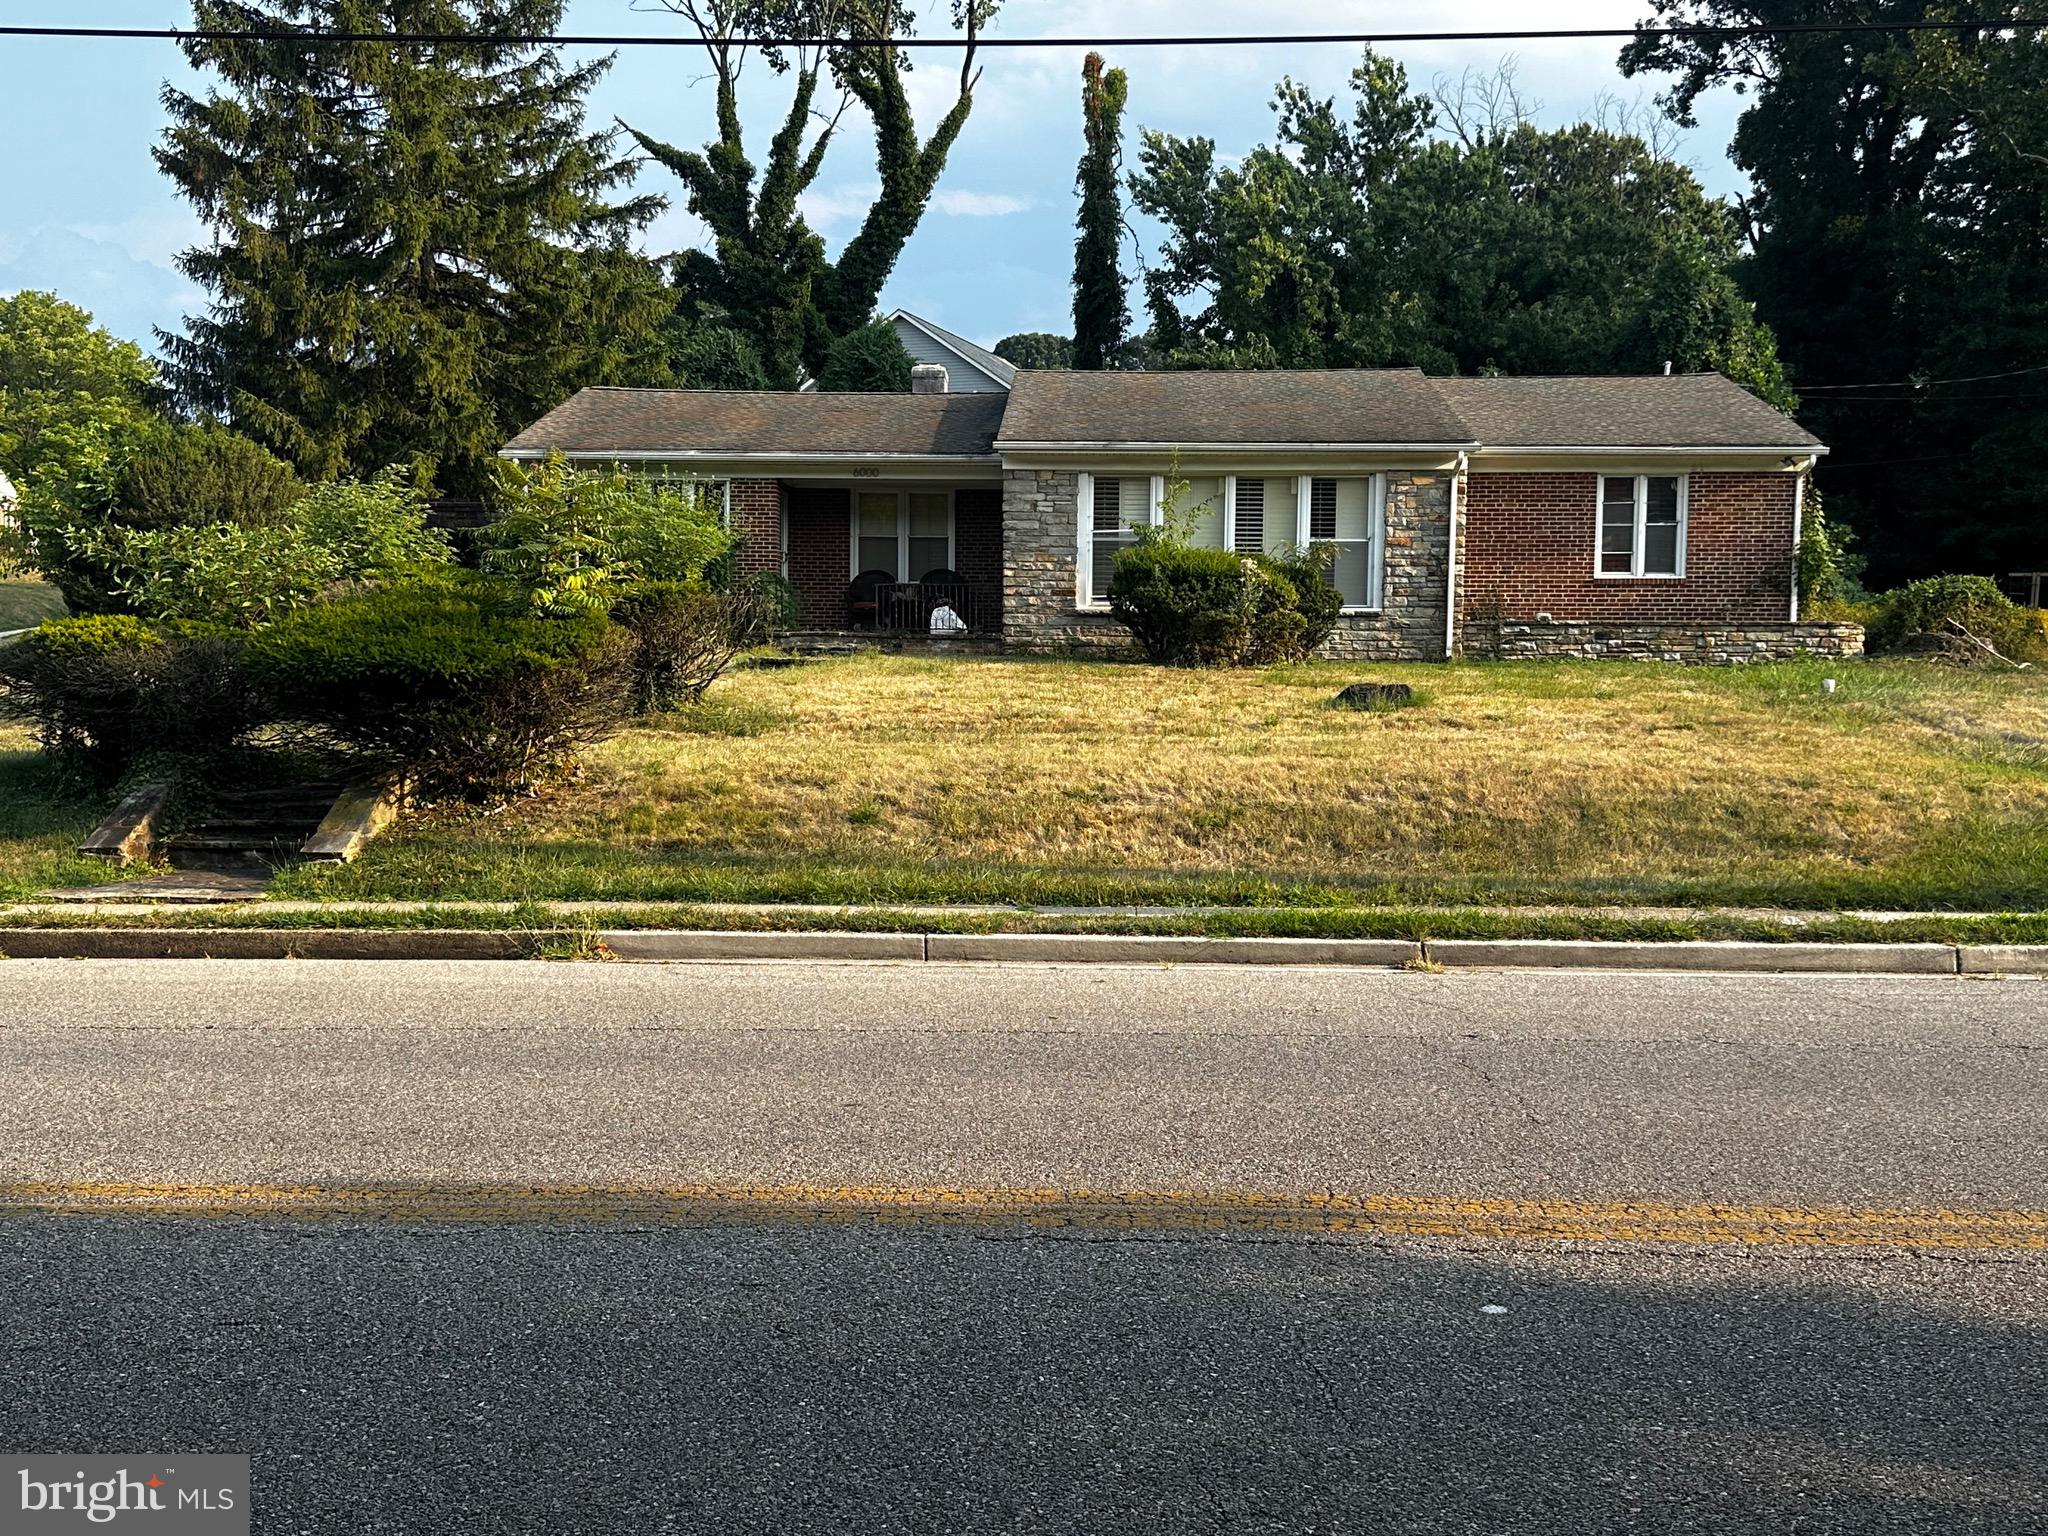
765, 274
414, 249
1102, 312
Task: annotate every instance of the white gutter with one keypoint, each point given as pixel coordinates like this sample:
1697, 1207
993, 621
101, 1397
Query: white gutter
699, 455
1451, 563
1271, 450
1718, 450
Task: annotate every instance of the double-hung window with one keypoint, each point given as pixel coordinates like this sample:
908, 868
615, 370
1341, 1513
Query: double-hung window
1350, 515
904, 535
1250, 514
1112, 507
1642, 525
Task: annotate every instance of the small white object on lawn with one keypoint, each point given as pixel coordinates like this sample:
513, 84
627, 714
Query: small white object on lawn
1827, 685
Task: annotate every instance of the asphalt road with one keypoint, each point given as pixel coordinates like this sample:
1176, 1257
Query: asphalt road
780, 1376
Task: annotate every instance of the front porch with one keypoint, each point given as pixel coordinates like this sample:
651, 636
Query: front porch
879, 558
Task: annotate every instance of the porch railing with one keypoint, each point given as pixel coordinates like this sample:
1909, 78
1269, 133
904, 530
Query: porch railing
909, 607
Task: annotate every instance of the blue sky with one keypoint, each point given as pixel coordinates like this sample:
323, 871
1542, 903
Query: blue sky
84, 211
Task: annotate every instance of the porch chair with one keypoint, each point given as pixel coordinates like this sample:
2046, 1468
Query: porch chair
863, 604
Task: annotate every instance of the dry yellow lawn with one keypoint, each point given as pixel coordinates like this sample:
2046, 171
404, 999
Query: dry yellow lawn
900, 777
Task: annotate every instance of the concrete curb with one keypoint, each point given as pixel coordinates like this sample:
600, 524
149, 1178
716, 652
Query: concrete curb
1698, 955
2005, 959
266, 944
1113, 948
1041, 948
687, 944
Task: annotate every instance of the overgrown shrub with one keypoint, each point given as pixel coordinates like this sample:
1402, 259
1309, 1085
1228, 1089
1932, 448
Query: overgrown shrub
246, 573
1308, 572
108, 690
687, 635
571, 538
774, 607
1188, 606
454, 686
1925, 607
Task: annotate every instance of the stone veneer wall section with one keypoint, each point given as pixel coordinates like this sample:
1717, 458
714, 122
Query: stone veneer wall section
1529, 549
1410, 625
1039, 536
1718, 643
757, 519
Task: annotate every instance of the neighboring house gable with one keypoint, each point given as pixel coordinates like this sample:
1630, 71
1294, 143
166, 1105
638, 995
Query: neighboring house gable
970, 370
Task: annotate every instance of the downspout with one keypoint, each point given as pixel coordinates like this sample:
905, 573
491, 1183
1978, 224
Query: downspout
1798, 530
1451, 562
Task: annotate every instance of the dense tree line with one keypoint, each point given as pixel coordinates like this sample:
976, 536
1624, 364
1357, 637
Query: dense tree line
1897, 243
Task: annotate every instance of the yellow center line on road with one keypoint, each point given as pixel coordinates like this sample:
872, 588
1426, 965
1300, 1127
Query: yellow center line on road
1183, 1210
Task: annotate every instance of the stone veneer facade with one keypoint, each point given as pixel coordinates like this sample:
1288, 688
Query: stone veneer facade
1039, 577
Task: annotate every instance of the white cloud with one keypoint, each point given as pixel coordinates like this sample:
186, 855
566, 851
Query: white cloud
130, 297
978, 205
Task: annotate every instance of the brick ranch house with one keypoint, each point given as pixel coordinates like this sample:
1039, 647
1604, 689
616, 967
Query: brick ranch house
1518, 517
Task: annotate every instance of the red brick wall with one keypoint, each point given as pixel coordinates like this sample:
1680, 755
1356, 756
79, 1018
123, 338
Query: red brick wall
1528, 549
818, 553
978, 533
757, 519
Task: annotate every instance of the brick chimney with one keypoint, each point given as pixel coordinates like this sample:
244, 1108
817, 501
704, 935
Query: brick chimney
928, 379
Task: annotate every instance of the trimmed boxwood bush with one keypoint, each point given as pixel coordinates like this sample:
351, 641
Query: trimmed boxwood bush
109, 690
455, 687
1193, 607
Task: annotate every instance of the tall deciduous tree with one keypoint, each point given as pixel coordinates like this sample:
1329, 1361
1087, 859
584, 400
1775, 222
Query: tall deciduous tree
1102, 313
1898, 227
64, 382
1036, 349
415, 248
1360, 241
765, 271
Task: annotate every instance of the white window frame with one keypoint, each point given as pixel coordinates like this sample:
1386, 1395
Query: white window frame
1375, 540
1640, 546
1085, 598
902, 493
1375, 534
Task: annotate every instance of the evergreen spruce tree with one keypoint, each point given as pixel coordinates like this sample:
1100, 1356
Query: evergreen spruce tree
1101, 309
414, 250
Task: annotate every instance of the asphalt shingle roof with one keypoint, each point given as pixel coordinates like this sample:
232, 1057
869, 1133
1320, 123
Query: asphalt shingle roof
1335, 405
1686, 410
1395, 407
734, 421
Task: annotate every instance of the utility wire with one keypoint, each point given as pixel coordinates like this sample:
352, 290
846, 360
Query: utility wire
1304, 39
1918, 384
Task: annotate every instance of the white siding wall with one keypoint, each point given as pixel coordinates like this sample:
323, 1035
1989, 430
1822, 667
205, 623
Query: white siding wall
962, 377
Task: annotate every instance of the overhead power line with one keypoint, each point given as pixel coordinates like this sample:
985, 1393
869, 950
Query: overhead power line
1969, 378
1249, 40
